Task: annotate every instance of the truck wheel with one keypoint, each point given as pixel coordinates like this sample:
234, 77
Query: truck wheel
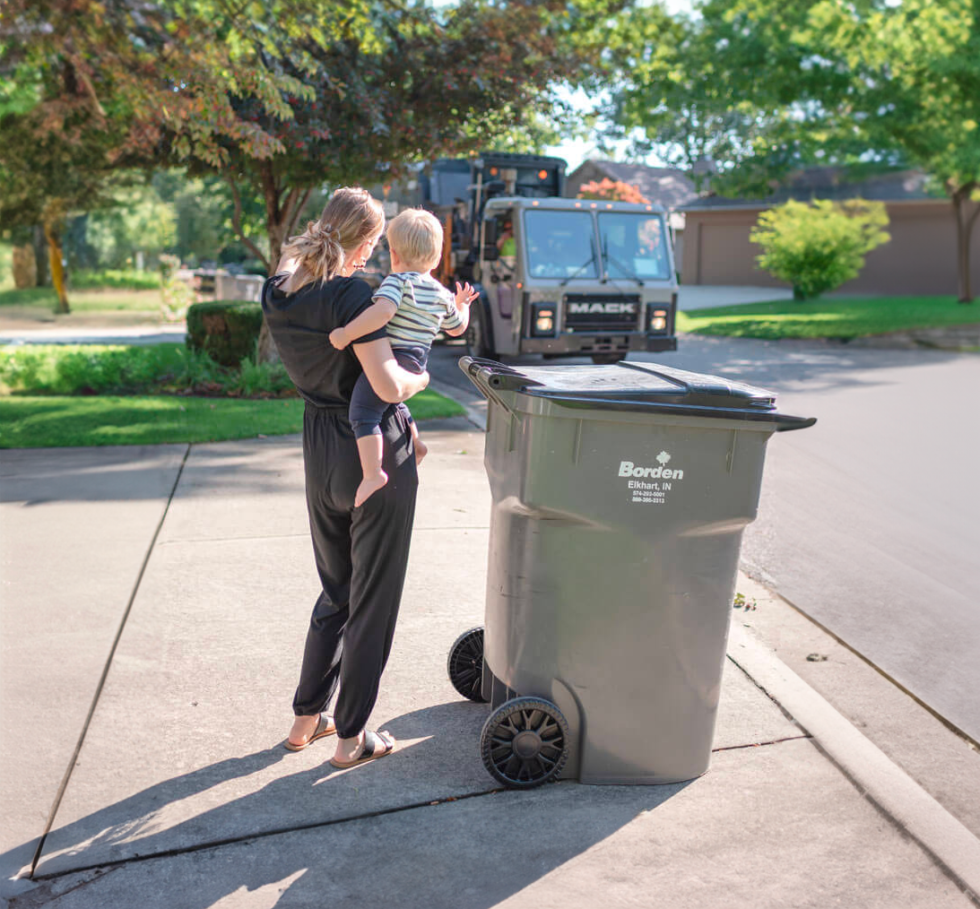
606, 359
465, 665
525, 742
479, 342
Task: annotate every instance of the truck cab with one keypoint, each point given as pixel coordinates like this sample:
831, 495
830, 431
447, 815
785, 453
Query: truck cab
572, 277
556, 276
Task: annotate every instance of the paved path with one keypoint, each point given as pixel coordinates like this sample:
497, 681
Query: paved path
183, 796
868, 521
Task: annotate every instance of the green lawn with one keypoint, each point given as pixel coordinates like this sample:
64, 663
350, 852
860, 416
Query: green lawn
59, 422
89, 300
843, 319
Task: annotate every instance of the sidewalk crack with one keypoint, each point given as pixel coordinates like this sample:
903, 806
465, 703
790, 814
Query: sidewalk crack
62, 788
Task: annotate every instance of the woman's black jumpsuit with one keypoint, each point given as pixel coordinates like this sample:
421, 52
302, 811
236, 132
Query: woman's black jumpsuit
361, 553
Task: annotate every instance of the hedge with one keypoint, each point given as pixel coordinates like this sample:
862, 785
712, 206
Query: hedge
227, 330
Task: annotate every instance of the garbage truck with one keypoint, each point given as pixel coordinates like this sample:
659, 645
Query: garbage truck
556, 276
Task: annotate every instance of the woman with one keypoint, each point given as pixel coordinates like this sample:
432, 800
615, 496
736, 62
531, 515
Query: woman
361, 553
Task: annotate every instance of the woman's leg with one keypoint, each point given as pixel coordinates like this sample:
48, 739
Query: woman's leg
324, 446
380, 536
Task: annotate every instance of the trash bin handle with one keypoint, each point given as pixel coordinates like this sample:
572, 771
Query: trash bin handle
489, 374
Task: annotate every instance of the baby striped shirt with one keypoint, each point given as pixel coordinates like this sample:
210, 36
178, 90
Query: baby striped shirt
424, 306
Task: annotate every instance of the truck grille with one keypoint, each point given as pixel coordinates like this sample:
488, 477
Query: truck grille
592, 312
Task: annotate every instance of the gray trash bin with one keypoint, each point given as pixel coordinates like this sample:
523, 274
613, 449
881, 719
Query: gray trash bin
620, 494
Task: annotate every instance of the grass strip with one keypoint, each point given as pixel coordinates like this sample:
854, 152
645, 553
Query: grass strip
89, 300
61, 422
822, 318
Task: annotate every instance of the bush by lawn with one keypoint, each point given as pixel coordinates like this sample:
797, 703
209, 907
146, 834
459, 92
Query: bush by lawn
842, 319
87, 369
58, 422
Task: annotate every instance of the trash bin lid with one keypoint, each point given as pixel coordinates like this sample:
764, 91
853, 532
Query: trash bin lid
635, 387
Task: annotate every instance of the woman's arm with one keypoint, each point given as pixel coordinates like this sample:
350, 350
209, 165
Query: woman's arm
390, 382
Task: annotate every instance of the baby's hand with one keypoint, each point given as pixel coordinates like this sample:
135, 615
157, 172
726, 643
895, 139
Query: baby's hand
464, 295
338, 337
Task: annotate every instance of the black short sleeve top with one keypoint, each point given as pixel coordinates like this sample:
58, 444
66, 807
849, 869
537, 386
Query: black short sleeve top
301, 322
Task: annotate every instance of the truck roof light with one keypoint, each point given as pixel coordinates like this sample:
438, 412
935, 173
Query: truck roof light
609, 205
542, 175
593, 205
578, 204
649, 208
535, 204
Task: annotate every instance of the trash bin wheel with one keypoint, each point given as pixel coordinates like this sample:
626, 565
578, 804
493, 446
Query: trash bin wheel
465, 664
525, 742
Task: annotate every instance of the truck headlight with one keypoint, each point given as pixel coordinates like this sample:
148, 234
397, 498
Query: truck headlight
658, 319
542, 319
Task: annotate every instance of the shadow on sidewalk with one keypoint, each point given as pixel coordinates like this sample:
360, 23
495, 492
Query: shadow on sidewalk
454, 817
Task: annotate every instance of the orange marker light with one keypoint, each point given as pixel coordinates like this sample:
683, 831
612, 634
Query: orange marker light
493, 171
578, 204
519, 285
542, 175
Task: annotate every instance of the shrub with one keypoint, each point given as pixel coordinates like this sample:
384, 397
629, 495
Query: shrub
817, 247
116, 370
227, 329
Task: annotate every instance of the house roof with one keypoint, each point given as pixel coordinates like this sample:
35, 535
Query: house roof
666, 186
829, 183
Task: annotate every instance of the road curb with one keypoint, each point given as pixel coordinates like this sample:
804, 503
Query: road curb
476, 417
879, 779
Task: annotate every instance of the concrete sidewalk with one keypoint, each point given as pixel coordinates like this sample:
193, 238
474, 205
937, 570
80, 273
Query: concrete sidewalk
182, 796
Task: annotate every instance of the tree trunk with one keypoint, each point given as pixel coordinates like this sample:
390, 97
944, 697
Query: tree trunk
41, 256
282, 208
965, 219
24, 266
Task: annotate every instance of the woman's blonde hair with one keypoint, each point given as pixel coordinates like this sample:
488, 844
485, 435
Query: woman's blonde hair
416, 236
350, 217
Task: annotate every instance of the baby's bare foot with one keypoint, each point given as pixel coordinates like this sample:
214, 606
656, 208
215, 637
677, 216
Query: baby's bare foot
369, 486
421, 450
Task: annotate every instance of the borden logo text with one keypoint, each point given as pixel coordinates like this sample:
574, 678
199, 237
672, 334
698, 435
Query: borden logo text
627, 469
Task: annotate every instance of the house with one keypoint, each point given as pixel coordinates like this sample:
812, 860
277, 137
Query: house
666, 186
919, 259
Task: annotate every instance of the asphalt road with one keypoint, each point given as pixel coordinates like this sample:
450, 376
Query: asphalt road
870, 521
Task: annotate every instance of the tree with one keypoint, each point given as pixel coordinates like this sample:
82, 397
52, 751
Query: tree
44, 177
706, 94
915, 71
615, 190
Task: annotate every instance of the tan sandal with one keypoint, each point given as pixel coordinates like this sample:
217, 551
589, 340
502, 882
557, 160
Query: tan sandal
324, 727
376, 745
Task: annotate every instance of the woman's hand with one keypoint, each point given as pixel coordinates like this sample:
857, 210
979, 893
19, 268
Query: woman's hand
390, 382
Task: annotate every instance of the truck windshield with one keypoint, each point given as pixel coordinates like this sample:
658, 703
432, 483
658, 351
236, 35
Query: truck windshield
633, 245
560, 244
